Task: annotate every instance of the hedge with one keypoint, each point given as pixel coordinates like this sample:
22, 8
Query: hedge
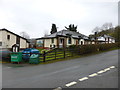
86, 49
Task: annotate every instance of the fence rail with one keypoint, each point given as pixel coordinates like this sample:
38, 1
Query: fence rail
70, 52
55, 54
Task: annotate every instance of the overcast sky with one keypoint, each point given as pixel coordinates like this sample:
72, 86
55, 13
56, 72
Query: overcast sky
36, 16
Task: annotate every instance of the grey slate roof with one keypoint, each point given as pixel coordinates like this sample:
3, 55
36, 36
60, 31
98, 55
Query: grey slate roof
66, 33
105, 36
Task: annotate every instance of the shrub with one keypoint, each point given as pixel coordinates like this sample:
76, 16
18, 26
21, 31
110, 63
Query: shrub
86, 49
73, 46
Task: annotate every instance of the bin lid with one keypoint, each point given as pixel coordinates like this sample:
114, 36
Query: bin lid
16, 53
30, 50
34, 56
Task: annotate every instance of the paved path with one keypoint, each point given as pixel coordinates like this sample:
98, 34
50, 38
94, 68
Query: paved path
76, 73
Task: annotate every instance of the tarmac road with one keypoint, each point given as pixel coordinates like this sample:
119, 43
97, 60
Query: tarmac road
77, 73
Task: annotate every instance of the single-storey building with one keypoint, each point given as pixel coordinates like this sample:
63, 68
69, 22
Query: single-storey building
105, 39
32, 42
63, 39
9, 39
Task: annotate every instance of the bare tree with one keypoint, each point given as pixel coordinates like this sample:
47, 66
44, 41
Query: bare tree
110, 25
96, 29
45, 33
25, 35
107, 26
104, 26
72, 27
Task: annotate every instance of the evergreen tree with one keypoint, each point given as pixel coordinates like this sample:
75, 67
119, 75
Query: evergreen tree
53, 29
116, 34
72, 28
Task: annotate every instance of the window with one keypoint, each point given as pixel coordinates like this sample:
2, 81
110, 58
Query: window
39, 43
69, 41
52, 40
61, 41
8, 37
0, 43
78, 41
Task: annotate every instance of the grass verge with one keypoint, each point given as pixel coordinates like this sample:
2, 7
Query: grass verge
78, 56
70, 58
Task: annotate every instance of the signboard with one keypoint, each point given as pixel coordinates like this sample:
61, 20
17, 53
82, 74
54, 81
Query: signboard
13, 57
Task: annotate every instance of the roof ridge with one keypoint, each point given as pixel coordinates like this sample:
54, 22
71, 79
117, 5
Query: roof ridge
4, 29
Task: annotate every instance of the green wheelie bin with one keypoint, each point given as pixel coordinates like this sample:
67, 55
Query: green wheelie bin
16, 57
34, 59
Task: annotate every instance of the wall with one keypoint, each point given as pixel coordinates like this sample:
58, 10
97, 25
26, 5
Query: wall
101, 38
1, 38
8, 43
23, 43
73, 41
47, 42
27, 45
93, 42
111, 40
55, 41
81, 40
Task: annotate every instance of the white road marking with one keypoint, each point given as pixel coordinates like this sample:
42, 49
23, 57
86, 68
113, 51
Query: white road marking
70, 84
85, 78
102, 71
59, 88
92, 75
82, 79
107, 69
112, 67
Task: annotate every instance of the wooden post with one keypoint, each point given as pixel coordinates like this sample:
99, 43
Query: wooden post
44, 56
64, 53
71, 52
55, 54
57, 42
105, 40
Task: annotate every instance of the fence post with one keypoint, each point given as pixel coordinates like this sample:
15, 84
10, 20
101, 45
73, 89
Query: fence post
64, 53
55, 54
72, 50
44, 56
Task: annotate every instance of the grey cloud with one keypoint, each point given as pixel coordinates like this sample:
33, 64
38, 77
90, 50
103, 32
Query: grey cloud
37, 21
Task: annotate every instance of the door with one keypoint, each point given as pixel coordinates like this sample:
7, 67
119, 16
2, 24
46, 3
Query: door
61, 43
81, 42
18, 40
